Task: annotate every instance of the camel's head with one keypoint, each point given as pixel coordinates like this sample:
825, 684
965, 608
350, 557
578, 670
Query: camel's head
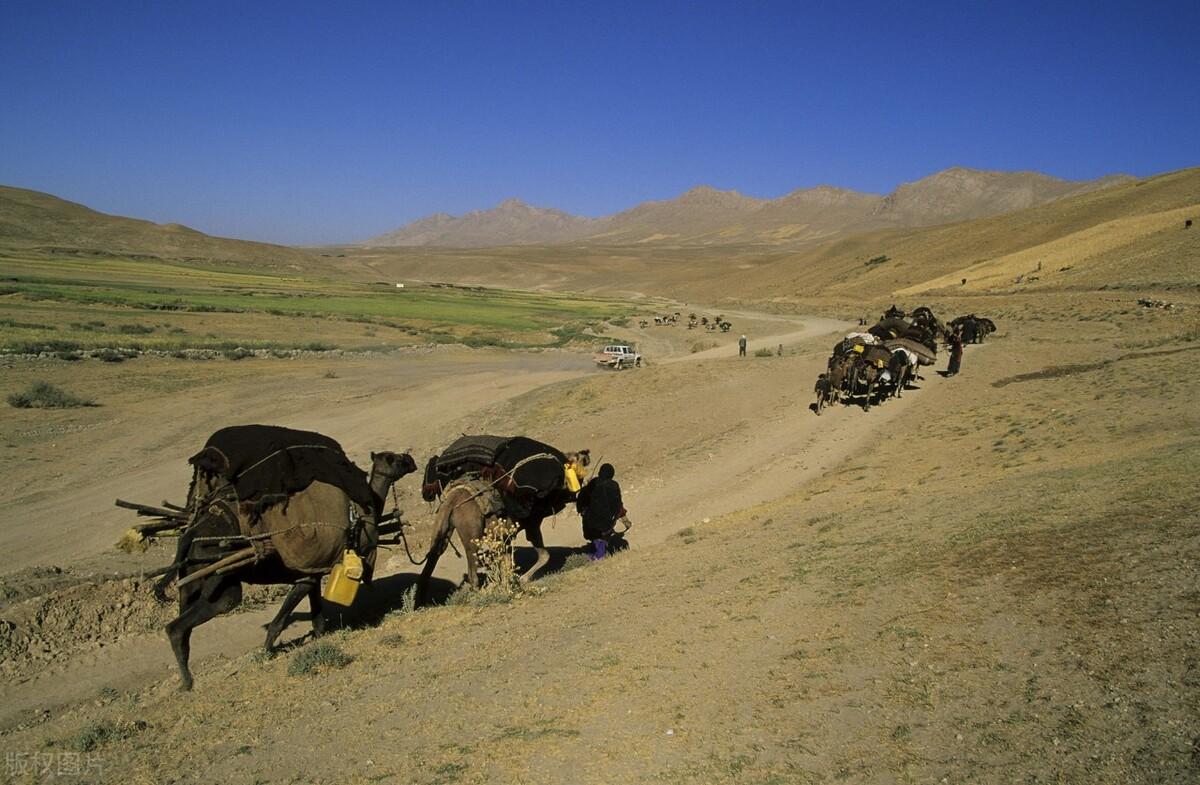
392, 465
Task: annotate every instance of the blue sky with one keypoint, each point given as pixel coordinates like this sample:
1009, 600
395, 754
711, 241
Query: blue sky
324, 122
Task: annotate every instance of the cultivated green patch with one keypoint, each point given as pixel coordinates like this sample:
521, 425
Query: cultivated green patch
75, 304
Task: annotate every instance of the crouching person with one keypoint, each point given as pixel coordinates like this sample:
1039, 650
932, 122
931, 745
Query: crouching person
599, 502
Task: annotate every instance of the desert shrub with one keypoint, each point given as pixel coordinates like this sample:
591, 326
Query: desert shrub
240, 353
763, 352
37, 347
701, 346
330, 375
43, 395
109, 356
877, 260
69, 356
622, 321
408, 600
318, 655
135, 329
494, 558
575, 561
394, 641
96, 734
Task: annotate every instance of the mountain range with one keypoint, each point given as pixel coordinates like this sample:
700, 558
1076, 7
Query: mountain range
708, 216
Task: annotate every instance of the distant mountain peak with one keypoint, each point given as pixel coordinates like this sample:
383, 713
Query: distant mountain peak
706, 214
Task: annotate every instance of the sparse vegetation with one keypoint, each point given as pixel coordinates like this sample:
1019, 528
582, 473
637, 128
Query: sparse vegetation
316, 656
876, 260
43, 395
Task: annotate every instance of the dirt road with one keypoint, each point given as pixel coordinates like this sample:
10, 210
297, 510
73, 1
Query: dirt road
136, 450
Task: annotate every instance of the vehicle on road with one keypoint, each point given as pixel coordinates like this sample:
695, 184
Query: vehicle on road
617, 357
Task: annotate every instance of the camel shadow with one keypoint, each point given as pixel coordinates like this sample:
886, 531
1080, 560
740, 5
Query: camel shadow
375, 601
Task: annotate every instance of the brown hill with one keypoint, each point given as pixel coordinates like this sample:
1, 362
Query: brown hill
512, 222
1094, 234
35, 222
708, 216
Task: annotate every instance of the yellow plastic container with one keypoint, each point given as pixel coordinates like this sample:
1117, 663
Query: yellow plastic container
858, 347
344, 580
571, 478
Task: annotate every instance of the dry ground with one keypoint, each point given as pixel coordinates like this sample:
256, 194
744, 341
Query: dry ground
991, 580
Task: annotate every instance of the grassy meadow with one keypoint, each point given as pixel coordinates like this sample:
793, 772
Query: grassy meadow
76, 303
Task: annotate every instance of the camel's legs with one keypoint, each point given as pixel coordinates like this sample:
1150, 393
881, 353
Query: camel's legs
299, 591
208, 601
431, 559
533, 533
471, 551
315, 606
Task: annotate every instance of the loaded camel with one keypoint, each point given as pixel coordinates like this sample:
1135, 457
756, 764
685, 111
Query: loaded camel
296, 535
482, 488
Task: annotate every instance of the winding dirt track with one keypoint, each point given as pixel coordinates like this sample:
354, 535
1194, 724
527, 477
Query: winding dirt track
398, 403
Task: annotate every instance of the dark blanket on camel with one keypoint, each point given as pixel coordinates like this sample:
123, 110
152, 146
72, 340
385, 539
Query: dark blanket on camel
267, 460
528, 473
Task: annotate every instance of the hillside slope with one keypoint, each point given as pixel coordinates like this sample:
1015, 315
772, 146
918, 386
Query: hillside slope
1145, 221
708, 216
35, 222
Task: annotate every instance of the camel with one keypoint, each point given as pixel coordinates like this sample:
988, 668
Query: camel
466, 508
218, 592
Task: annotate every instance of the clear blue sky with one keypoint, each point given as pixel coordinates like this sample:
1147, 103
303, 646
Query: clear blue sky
315, 122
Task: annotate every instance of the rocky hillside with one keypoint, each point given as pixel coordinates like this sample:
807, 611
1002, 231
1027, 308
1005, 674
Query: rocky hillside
708, 216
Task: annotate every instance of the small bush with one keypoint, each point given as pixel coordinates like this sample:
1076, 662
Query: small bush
43, 395
96, 734
764, 352
109, 356
575, 561
877, 260
320, 655
69, 356
239, 353
135, 329
330, 375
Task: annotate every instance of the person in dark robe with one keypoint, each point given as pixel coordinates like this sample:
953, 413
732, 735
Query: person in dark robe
956, 352
599, 502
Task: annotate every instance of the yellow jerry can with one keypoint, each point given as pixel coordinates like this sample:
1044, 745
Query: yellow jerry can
344, 579
858, 347
571, 478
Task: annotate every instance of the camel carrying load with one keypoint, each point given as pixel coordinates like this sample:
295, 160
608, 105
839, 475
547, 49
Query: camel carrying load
265, 473
882, 361
481, 479
271, 505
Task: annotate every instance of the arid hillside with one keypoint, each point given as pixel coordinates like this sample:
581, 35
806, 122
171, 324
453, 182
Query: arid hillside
40, 224
706, 216
1130, 234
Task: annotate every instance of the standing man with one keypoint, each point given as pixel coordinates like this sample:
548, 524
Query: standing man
956, 350
742, 346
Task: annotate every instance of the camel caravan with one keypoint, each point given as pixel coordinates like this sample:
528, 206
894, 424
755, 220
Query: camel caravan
273, 505
883, 361
694, 321
278, 506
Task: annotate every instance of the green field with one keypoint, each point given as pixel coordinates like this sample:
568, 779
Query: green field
79, 303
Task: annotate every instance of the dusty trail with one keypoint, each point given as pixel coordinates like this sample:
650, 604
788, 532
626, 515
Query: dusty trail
401, 405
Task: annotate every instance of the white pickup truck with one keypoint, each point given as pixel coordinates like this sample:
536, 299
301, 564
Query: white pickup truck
617, 357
